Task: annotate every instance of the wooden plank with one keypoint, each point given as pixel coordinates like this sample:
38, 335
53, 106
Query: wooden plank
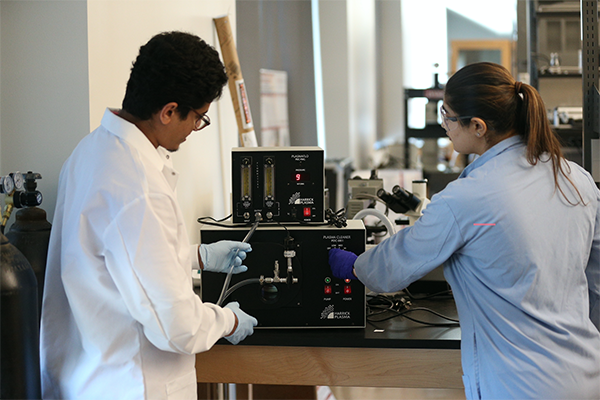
369, 367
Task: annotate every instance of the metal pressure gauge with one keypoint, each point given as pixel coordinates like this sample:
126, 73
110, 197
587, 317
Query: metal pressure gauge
19, 181
7, 184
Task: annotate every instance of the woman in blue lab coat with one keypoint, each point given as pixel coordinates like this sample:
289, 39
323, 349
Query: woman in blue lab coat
518, 234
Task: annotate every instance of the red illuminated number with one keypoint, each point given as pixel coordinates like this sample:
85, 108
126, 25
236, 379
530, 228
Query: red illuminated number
298, 177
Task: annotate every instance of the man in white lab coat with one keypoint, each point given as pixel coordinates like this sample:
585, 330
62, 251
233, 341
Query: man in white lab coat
120, 319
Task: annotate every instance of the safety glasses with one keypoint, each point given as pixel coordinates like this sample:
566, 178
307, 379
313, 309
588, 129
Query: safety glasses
450, 123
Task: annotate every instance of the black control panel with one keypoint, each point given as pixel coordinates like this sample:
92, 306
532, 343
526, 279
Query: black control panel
283, 184
289, 282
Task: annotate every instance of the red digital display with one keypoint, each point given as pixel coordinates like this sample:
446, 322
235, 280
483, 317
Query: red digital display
300, 176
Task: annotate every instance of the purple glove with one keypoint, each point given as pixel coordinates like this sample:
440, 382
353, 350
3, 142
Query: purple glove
342, 263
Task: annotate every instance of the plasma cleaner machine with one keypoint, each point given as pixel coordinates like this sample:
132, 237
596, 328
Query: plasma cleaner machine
278, 207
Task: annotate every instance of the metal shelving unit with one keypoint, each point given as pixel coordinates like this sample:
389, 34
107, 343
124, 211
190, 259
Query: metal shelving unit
591, 79
590, 67
430, 131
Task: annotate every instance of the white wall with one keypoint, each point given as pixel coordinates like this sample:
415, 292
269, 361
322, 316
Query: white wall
425, 44
116, 31
391, 118
361, 52
349, 65
63, 62
44, 90
278, 35
334, 58
362, 73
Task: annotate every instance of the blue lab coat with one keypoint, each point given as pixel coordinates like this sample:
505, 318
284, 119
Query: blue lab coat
524, 267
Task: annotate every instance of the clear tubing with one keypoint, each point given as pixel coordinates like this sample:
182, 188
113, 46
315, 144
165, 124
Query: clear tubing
231, 263
228, 277
239, 285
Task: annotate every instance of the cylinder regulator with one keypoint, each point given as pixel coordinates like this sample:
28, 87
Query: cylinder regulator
30, 233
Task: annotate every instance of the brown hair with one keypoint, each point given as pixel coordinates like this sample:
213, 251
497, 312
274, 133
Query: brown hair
488, 91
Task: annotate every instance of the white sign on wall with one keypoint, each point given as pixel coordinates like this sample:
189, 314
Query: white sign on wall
275, 130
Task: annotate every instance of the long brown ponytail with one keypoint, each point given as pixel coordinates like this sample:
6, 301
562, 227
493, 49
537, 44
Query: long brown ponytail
489, 91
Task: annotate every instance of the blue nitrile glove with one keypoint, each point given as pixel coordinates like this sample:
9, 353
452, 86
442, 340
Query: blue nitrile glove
342, 263
217, 257
246, 324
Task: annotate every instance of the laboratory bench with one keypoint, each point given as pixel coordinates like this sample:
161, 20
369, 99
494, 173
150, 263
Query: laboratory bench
395, 352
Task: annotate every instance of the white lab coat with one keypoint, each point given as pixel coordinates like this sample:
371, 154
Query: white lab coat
524, 266
120, 319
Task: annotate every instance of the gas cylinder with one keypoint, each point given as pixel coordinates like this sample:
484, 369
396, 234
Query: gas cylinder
30, 233
19, 340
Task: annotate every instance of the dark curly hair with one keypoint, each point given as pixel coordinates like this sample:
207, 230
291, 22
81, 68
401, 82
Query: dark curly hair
174, 67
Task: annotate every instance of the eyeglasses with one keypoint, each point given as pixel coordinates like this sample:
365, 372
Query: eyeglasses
202, 122
450, 123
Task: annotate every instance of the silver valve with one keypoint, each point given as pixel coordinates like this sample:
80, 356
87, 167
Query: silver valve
276, 278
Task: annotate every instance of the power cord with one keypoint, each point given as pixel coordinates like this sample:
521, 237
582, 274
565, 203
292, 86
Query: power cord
215, 222
447, 293
397, 306
337, 218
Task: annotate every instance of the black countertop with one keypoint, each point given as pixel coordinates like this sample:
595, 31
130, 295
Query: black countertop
380, 332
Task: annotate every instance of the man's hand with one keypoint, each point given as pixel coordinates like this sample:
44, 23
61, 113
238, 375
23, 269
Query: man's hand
220, 256
245, 324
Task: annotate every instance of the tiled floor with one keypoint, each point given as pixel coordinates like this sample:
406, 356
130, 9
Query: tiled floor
365, 393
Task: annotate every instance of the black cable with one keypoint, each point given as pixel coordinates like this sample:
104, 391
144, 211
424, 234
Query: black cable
404, 312
206, 221
381, 303
400, 307
284, 227
428, 296
449, 325
337, 218
453, 323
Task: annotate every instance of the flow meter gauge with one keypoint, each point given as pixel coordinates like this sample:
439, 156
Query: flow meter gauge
19, 181
7, 185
